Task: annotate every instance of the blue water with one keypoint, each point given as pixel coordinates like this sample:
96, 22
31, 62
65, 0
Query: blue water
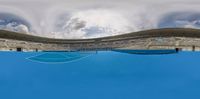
101, 75
59, 57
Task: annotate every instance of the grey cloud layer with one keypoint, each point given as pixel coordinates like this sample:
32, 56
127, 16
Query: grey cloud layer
44, 16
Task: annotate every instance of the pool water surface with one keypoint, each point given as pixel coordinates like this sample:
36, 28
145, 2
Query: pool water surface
99, 75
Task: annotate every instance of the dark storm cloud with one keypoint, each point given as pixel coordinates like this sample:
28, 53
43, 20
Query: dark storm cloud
180, 19
8, 18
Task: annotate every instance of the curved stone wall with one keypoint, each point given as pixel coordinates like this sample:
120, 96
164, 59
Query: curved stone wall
181, 38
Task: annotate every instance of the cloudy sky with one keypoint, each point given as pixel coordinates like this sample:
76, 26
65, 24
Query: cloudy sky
96, 18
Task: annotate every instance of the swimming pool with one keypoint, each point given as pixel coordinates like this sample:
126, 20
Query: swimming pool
99, 75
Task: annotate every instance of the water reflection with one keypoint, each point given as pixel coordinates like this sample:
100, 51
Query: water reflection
149, 52
59, 57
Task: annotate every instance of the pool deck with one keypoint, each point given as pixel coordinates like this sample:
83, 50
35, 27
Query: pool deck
155, 39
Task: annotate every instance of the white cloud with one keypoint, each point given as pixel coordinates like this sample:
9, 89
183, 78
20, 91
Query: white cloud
15, 27
103, 22
22, 28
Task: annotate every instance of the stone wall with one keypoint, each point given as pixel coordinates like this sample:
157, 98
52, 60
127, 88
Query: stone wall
191, 44
184, 39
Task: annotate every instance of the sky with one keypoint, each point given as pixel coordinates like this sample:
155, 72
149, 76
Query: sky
80, 19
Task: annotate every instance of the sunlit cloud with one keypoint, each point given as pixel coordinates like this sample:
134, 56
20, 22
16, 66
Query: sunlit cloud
94, 23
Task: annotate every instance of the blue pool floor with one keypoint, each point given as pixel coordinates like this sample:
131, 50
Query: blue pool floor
102, 75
